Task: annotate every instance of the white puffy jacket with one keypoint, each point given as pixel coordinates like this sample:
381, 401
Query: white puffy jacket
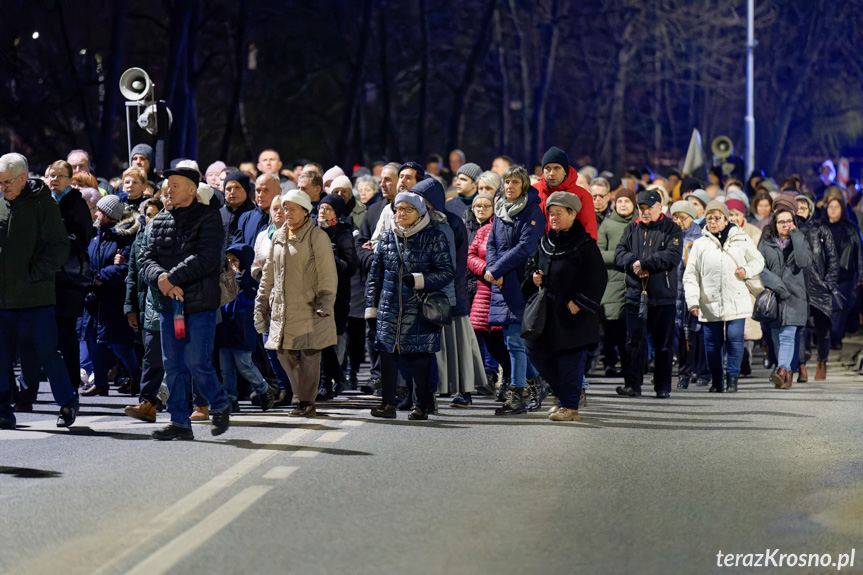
709, 282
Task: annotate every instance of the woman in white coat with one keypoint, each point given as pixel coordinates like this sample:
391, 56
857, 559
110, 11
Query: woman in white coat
714, 284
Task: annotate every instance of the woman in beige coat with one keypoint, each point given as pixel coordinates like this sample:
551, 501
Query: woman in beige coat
296, 298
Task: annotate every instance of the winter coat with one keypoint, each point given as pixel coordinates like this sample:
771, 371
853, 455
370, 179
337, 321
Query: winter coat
231, 218
681, 314
433, 191
784, 271
849, 247
354, 213
141, 298
509, 245
476, 266
586, 215
367, 229
472, 226
249, 225
709, 281
237, 328
658, 246
458, 207
263, 243
186, 243
79, 227
104, 303
428, 259
342, 241
609, 236
823, 273
299, 280
573, 271
33, 246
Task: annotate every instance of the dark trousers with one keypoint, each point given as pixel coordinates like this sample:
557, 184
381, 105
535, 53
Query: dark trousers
563, 370
692, 356
660, 325
822, 337
496, 348
356, 332
152, 372
421, 371
331, 368
374, 355
614, 343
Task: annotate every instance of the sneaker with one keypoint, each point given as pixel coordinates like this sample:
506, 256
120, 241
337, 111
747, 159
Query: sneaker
268, 399
304, 409
554, 407
461, 400
144, 411
221, 421
564, 414
385, 411
171, 431
67, 416
419, 413
200, 414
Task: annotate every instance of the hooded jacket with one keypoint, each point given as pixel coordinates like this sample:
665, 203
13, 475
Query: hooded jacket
573, 271
823, 273
33, 246
658, 246
187, 244
784, 270
141, 298
231, 218
237, 328
586, 215
610, 232
395, 306
509, 246
710, 283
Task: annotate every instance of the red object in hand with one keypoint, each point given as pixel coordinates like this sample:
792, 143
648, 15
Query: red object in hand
179, 320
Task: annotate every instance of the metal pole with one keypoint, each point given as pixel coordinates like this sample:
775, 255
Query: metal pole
749, 164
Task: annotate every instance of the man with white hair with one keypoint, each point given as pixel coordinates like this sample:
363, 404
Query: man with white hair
182, 260
33, 246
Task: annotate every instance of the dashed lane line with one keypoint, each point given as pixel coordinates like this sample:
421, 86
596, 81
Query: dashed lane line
280, 472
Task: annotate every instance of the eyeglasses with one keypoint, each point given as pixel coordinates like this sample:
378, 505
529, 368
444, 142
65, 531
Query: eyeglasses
714, 218
599, 197
8, 183
482, 206
405, 210
57, 176
785, 223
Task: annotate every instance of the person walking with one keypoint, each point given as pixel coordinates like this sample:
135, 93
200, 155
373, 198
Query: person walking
296, 299
569, 266
717, 268
412, 259
849, 247
786, 257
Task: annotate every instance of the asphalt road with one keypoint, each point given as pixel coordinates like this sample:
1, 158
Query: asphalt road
638, 486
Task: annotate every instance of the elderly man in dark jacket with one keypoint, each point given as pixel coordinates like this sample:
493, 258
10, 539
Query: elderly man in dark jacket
182, 260
821, 278
649, 252
33, 246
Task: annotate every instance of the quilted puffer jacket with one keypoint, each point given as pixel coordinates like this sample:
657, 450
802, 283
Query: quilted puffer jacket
823, 273
394, 304
476, 266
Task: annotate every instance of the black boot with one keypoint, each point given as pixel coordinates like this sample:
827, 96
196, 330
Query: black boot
730, 384
536, 393
716, 387
501, 391
745, 365
514, 404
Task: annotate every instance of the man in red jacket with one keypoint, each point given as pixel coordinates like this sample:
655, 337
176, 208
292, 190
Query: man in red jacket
558, 176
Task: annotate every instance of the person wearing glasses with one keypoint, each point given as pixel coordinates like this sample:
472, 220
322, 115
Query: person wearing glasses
786, 259
718, 265
649, 252
33, 246
600, 190
413, 257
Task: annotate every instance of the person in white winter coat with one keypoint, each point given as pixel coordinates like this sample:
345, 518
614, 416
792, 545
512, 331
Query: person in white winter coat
714, 284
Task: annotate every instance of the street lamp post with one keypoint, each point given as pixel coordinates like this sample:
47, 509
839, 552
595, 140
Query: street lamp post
750, 88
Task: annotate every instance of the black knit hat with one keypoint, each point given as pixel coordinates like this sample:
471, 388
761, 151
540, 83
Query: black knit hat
336, 201
555, 155
241, 179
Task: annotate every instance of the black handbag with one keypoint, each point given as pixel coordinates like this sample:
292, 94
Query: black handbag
766, 308
533, 320
434, 307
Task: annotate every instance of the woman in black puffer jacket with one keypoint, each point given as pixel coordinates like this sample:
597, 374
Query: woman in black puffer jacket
849, 247
413, 255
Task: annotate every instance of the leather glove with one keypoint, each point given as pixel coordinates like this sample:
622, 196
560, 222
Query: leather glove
261, 324
408, 280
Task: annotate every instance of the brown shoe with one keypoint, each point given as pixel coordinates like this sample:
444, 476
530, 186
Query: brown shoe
304, 409
821, 371
93, 391
778, 378
802, 375
145, 411
200, 414
564, 414
788, 377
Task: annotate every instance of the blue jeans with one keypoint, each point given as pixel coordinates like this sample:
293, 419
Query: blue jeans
522, 369
233, 360
100, 352
563, 370
727, 335
36, 330
783, 341
278, 370
187, 358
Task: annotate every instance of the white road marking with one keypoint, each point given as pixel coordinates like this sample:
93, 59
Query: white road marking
180, 547
332, 436
305, 453
280, 472
352, 423
11, 434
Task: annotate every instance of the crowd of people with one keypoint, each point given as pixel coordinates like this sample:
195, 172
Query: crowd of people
271, 284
